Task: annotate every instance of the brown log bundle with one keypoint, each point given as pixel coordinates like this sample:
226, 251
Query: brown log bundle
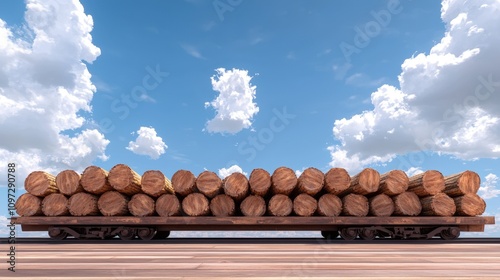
222, 205
141, 205
259, 181
196, 204
363, 183
208, 183
113, 203
280, 205
28, 205
310, 181
183, 182
125, 180
55, 204
95, 180
430, 182
355, 205
407, 204
40, 183
68, 182
168, 205
462, 183
438, 205
83, 204
469, 205
236, 186
337, 180
304, 205
253, 206
329, 205
154, 183
381, 205
393, 182
283, 181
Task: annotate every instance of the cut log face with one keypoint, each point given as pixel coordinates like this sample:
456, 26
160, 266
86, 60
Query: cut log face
280, 205
209, 184
304, 205
329, 205
462, 183
125, 180
283, 181
469, 205
95, 180
196, 204
363, 183
355, 205
68, 182
222, 205
393, 182
141, 205
168, 205
438, 205
83, 204
154, 183
259, 181
55, 204
113, 203
183, 182
236, 186
337, 180
381, 205
28, 205
253, 206
40, 183
407, 204
430, 182
310, 181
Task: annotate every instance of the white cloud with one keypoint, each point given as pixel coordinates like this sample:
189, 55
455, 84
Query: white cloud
235, 103
147, 143
447, 101
44, 88
488, 188
224, 172
412, 171
192, 51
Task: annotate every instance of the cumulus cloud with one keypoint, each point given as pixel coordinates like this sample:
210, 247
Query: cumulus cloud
147, 143
488, 188
235, 103
447, 101
45, 86
224, 172
412, 171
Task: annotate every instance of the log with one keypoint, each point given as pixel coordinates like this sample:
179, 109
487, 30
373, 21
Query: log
280, 205
113, 203
393, 183
438, 205
141, 205
40, 183
95, 180
329, 205
304, 205
28, 205
236, 186
68, 182
406, 204
381, 205
337, 180
259, 181
469, 205
355, 205
430, 182
222, 205
125, 180
283, 181
253, 206
55, 204
183, 182
363, 183
209, 184
196, 204
168, 205
462, 183
155, 184
83, 204
310, 181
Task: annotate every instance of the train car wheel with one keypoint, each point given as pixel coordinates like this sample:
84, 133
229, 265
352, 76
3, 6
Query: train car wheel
367, 234
146, 233
127, 234
450, 233
348, 233
57, 234
330, 234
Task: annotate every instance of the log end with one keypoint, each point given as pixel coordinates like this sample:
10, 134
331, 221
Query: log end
28, 205
141, 205
304, 205
155, 184
236, 186
208, 183
253, 206
280, 205
183, 182
168, 205
337, 180
259, 181
95, 180
355, 205
196, 204
283, 181
113, 203
68, 182
55, 204
222, 205
329, 205
311, 181
40, 183
381, 205
83, 204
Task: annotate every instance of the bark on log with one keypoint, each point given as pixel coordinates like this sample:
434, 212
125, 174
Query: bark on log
83, 204
407, 204
209, 184
311, 181
304, 205
393, 182
430, 182
438, 205
28, 205
155, 184
168, 205
183, 182
259, 181
381, 205
113, 203
355, 205
329, 205
462, 183
40, 183
222, 205
363, 183
337, 180
283, 181
280, 205
196, 204
95, 180
253, 206
55, 204
469, 205
141, 205
125, 180
68, 182
236, 186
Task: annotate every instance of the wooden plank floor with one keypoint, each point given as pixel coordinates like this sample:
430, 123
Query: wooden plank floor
208, 258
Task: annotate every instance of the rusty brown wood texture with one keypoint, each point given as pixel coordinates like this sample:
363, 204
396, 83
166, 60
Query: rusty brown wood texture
253, 206
393, 182
259, 181
355, 205
113, 203
83, 204
407, 204
337, 180
208, 183
68, 182
40, 183
55, 204
95, 180
28, 205
365, 182
304, 205
463, 183
381, 205
141, 205
311, 181
168, 205
183, 182
222, 205
236, 186
280, 205
283, 181
155, 183
430, 182
329, 205
125, 180
196, 204
438, 205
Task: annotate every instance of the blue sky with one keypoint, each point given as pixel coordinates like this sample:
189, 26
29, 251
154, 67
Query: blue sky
382, 84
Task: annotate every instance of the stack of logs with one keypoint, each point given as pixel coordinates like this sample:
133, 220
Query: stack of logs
124, 192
